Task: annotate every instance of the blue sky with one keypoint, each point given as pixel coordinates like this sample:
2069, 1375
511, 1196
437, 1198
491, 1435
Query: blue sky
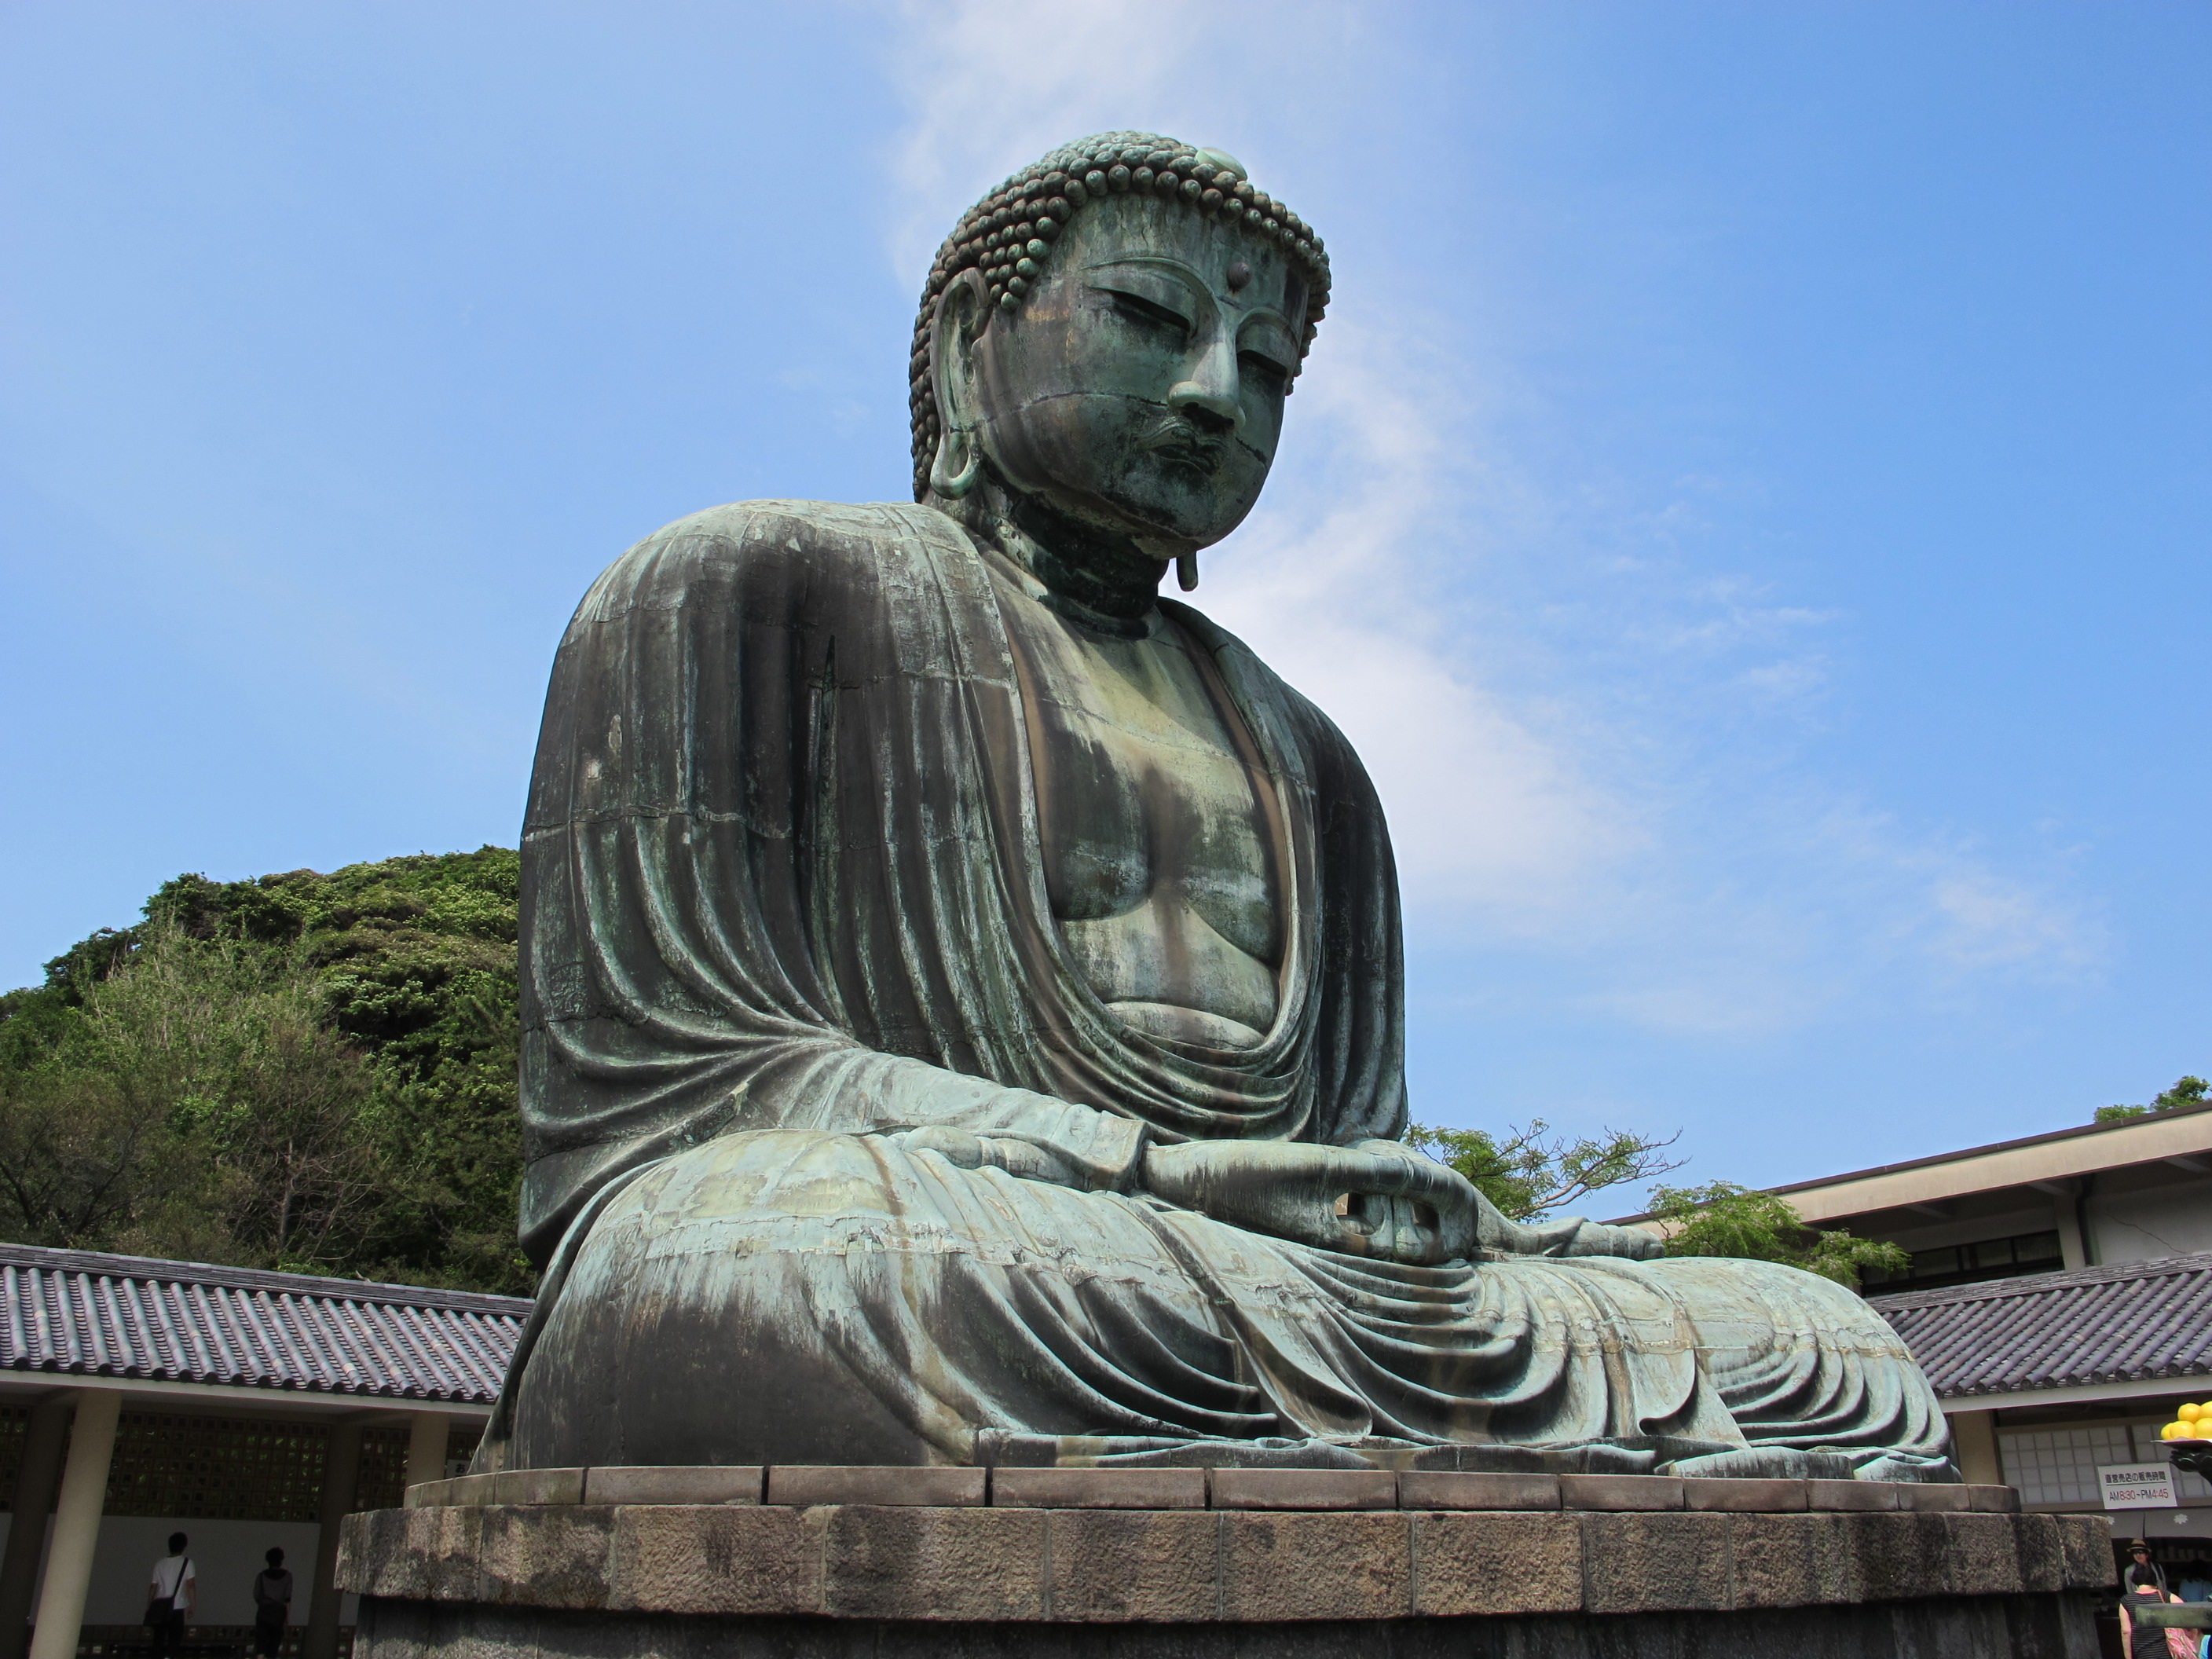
1748, 500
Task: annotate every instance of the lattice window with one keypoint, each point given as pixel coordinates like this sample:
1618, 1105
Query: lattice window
382, 1484
13, 1421
2059, 1466
213, 1468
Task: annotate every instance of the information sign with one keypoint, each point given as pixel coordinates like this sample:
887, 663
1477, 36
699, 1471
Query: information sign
2136, 1485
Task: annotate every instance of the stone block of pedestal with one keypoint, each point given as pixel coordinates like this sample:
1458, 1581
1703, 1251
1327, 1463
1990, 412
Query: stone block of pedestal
1160, 1564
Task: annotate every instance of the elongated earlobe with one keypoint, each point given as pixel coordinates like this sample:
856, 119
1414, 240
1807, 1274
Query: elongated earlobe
1187, 571
958, 461
961, 316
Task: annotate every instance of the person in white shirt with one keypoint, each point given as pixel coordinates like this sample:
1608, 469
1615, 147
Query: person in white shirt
170, 1596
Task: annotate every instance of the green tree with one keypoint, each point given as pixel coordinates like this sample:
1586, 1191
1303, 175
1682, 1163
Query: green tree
1721, 1218
88, 1163
228, 1037
2187, 1091
303, 1070
1528, 1176
196, 1106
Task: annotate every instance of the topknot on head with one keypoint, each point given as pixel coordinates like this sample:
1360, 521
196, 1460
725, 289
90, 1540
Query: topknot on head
1008, 235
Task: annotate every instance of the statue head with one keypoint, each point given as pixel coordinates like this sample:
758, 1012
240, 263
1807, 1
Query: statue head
1109, 338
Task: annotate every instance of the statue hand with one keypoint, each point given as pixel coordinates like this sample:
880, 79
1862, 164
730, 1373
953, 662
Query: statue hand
1595, 1238
1568, 1235
1572, 1235
1395, 1205
967, 1150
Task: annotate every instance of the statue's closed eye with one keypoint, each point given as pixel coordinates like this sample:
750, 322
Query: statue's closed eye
1149, 313
1265, 369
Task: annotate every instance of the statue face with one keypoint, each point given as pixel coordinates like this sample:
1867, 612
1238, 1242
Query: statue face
1140, 388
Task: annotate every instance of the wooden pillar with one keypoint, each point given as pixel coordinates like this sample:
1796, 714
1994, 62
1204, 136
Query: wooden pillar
426, 1450
32, 1502
76, 1524
1974, 1444
341, 1476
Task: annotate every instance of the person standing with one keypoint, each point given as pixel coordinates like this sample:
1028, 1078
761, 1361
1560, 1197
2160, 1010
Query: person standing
171, 1594
272, 1605
2145, 1581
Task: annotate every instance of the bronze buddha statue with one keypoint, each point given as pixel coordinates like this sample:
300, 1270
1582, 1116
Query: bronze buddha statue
963, 990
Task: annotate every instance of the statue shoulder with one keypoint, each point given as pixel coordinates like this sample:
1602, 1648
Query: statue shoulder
1327, 750
758, 549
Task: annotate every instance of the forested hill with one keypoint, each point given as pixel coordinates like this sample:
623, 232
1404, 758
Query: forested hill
304, 1070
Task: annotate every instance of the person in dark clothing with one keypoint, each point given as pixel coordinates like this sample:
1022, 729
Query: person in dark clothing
2143, 1581
171, 1593
272, 1605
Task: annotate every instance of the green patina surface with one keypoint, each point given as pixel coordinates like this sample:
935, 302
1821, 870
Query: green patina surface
962, 989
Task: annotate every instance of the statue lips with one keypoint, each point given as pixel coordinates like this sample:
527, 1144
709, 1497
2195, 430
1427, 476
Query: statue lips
1182, 445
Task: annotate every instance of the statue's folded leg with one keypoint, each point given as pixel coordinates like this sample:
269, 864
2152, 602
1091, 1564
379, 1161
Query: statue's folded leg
809, 1298
1804, 1365
804, 1297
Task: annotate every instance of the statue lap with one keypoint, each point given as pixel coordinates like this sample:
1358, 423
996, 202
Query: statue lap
797, 1296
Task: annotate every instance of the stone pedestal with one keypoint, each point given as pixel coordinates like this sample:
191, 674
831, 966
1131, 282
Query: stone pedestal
667, 1564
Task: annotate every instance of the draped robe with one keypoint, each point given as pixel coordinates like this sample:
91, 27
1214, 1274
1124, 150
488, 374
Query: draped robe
833, 1154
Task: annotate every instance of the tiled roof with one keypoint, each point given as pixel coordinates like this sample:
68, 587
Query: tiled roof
79, 1314
2133, 1322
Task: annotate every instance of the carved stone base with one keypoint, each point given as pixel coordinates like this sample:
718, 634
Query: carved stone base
1282, 1566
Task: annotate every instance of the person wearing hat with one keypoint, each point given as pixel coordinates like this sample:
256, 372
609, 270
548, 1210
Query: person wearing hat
2146, 1580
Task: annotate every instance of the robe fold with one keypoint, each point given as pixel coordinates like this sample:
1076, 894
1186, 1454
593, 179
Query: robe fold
832, 1152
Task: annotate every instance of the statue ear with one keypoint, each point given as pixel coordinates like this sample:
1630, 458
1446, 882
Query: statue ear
962, 311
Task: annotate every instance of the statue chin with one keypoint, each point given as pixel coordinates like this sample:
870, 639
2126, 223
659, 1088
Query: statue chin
850, 1142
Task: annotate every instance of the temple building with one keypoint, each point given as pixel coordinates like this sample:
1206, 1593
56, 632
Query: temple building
2060, 1298
246, 1410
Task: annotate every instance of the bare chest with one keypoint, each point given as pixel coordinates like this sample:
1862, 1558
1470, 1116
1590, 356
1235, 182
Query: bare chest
1157, 824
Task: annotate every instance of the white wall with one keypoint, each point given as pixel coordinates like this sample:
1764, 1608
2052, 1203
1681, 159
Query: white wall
2142, 1226
226, 1554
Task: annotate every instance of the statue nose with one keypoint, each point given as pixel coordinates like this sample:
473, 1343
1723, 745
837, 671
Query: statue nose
1211, 389
1208, 408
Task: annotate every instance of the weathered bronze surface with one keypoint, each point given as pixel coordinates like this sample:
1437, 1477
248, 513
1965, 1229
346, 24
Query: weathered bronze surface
962, 988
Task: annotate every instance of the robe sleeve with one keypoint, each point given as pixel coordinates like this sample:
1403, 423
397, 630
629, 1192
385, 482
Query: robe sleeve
749, 768
1359, 1032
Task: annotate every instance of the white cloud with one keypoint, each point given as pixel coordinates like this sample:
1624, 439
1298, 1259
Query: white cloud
1590, 741
1987, 921
1342, 583
991, 84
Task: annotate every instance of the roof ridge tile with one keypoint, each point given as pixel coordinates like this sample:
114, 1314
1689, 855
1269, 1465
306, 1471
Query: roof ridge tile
155, 1270
84, 1313
2125, 1321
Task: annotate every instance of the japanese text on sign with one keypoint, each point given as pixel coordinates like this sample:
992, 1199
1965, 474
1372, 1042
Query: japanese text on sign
2136, 1485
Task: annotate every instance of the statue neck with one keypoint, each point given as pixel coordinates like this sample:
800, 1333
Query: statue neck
1104, 582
